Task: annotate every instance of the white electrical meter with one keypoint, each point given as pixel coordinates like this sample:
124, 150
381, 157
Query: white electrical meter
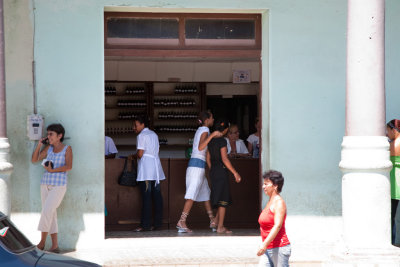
35, 126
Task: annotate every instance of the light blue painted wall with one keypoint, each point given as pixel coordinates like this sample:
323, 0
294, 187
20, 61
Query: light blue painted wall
392, 57
303, 97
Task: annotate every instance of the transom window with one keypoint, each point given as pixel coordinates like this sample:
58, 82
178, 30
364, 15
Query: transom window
182, 31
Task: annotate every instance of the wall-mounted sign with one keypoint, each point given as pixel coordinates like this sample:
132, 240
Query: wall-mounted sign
241, 76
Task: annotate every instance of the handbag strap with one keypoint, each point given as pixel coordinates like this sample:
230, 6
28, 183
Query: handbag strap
125, 167
133, 165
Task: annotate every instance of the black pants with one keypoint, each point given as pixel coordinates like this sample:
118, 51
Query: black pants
151, 192
395, 203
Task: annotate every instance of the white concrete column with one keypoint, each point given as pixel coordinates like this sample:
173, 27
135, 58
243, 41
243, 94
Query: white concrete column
5, 166
365, 158
5, 171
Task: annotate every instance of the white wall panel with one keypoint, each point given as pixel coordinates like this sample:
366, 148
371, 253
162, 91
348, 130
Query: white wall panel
136, 71
170, 71
213, 72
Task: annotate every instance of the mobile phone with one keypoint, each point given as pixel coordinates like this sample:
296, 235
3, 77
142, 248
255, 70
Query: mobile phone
45, 141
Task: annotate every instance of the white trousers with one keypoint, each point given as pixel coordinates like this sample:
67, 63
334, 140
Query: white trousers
51, 196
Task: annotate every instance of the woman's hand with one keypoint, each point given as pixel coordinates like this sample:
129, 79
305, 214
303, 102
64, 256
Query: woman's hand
48, 168
41, 141
261, 250
216, 134
237, 177
132, 157
232, 155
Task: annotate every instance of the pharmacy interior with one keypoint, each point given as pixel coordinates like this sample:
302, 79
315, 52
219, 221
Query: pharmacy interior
171, 66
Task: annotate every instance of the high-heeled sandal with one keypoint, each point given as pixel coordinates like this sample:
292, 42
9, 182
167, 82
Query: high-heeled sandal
179, 226
213, 224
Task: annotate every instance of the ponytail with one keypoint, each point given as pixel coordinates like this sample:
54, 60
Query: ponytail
203, 115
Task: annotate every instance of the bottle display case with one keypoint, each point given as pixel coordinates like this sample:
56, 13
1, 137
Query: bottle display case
172, 109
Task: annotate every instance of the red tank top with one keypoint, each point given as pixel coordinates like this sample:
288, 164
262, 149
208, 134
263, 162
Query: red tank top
266, 221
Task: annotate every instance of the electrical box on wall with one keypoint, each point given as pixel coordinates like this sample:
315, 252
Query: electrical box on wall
35, 126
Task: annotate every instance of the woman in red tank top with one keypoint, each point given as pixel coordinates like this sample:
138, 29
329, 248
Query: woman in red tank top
275, 248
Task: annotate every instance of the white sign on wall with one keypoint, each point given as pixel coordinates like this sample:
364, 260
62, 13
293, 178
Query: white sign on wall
241, 76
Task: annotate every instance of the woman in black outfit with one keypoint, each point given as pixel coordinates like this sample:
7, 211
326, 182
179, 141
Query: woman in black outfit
219, 164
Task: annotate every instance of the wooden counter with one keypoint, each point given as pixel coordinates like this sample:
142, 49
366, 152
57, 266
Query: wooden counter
124, 203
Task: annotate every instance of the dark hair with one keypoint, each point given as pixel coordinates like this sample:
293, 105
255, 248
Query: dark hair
394, 124
275, 177
221, 125
203, 115
58, 128
142, 119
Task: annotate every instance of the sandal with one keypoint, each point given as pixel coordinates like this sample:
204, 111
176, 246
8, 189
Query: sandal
56, 250
213, 224
179, 226
182, 229
141, 229
224, 231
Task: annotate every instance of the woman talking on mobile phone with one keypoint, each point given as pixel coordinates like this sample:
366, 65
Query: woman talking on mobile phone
58, 161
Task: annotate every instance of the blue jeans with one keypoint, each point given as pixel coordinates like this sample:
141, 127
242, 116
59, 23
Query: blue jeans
276, 257
151, 192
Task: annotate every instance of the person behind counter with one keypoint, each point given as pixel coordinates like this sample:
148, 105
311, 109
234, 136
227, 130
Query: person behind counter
235, 146
150, 173
253, 141
275, 248
219, 164
54, 181
110, 149
197, 188
393, 133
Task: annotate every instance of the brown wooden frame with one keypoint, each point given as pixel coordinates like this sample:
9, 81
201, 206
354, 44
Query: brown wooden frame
182, 50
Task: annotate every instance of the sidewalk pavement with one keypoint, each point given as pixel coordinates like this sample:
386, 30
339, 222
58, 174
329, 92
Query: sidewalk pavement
204, 249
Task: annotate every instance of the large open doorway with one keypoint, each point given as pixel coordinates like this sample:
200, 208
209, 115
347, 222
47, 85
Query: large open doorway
150, 68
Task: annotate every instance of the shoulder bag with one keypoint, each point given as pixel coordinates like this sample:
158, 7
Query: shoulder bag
128, 178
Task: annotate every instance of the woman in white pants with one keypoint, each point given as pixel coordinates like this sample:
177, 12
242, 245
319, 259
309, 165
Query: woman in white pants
54, 181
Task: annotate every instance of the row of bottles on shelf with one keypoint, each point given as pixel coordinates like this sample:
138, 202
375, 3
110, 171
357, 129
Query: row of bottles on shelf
166, 128
128, 115
163, 141
119, 130
185, 89
177, 115
131, 90
131, 103
180, 102
110, 90
175, 128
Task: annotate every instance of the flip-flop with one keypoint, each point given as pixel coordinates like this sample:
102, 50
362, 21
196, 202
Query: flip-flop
56, 250
225, 231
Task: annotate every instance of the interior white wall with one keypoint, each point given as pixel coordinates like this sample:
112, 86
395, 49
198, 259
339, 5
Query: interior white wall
188, 71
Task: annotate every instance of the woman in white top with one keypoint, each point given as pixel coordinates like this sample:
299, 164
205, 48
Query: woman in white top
253, 141
235, 146
197, 188
150, 173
